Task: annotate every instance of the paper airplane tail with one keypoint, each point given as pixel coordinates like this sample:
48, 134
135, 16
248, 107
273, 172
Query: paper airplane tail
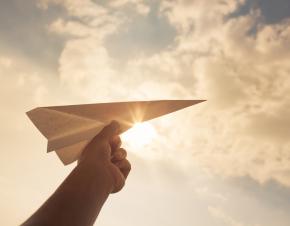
69, 128
71, 153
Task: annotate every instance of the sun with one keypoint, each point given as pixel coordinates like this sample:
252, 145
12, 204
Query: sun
139, 135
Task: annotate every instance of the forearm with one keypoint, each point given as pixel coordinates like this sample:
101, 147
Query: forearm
78, 200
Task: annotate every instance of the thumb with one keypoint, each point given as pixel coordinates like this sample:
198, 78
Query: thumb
110, 130
107, 133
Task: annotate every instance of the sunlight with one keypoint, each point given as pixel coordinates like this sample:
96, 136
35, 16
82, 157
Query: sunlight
139, 135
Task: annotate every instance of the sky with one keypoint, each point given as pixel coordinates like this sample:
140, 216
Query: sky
225, 162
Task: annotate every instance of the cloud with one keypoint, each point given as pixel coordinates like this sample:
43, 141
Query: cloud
5, 62
86, 67
140, 6
247, 87
239, 64
17, 76
244, 74
197, 15
98, 24
92, 8
221, 215
24, 86
245, 81
81, 9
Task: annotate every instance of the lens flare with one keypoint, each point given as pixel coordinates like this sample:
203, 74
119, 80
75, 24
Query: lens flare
139, 135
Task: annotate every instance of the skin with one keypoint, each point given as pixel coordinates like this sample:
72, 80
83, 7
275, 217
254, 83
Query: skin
101, 170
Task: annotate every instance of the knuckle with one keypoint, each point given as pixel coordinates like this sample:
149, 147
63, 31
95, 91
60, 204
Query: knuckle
124, 152
118, 140
128, 165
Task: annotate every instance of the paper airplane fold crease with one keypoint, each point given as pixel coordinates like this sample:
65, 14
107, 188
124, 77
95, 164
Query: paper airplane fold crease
70, 128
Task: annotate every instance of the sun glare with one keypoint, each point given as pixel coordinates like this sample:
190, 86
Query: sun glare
139, 135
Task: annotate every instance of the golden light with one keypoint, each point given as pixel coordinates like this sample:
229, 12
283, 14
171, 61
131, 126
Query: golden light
139, 135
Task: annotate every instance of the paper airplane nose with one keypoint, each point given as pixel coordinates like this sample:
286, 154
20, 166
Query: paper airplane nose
69, 128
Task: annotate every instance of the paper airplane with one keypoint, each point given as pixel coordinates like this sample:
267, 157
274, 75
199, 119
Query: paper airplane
70, 128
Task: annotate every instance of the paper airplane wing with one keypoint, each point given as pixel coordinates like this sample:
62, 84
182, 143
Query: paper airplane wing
69, 128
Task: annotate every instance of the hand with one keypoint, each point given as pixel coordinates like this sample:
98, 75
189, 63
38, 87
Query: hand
104, 151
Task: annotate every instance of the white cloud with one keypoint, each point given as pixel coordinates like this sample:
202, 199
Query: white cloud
84, 8
25, 86
242, 129
197, 15
79, 8
74, 28
245, 81
140, 5
5, 62
221, 215
86, 67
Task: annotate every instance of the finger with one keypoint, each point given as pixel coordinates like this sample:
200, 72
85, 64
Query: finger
110, 130
115, 143
124, 166
119, 155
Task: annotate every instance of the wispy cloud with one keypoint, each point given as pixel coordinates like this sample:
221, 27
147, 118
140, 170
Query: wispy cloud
223, 216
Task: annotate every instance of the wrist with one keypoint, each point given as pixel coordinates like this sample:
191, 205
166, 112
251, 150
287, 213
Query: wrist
98, 172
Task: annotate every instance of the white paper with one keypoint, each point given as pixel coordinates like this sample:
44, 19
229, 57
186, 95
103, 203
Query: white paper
70, 128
